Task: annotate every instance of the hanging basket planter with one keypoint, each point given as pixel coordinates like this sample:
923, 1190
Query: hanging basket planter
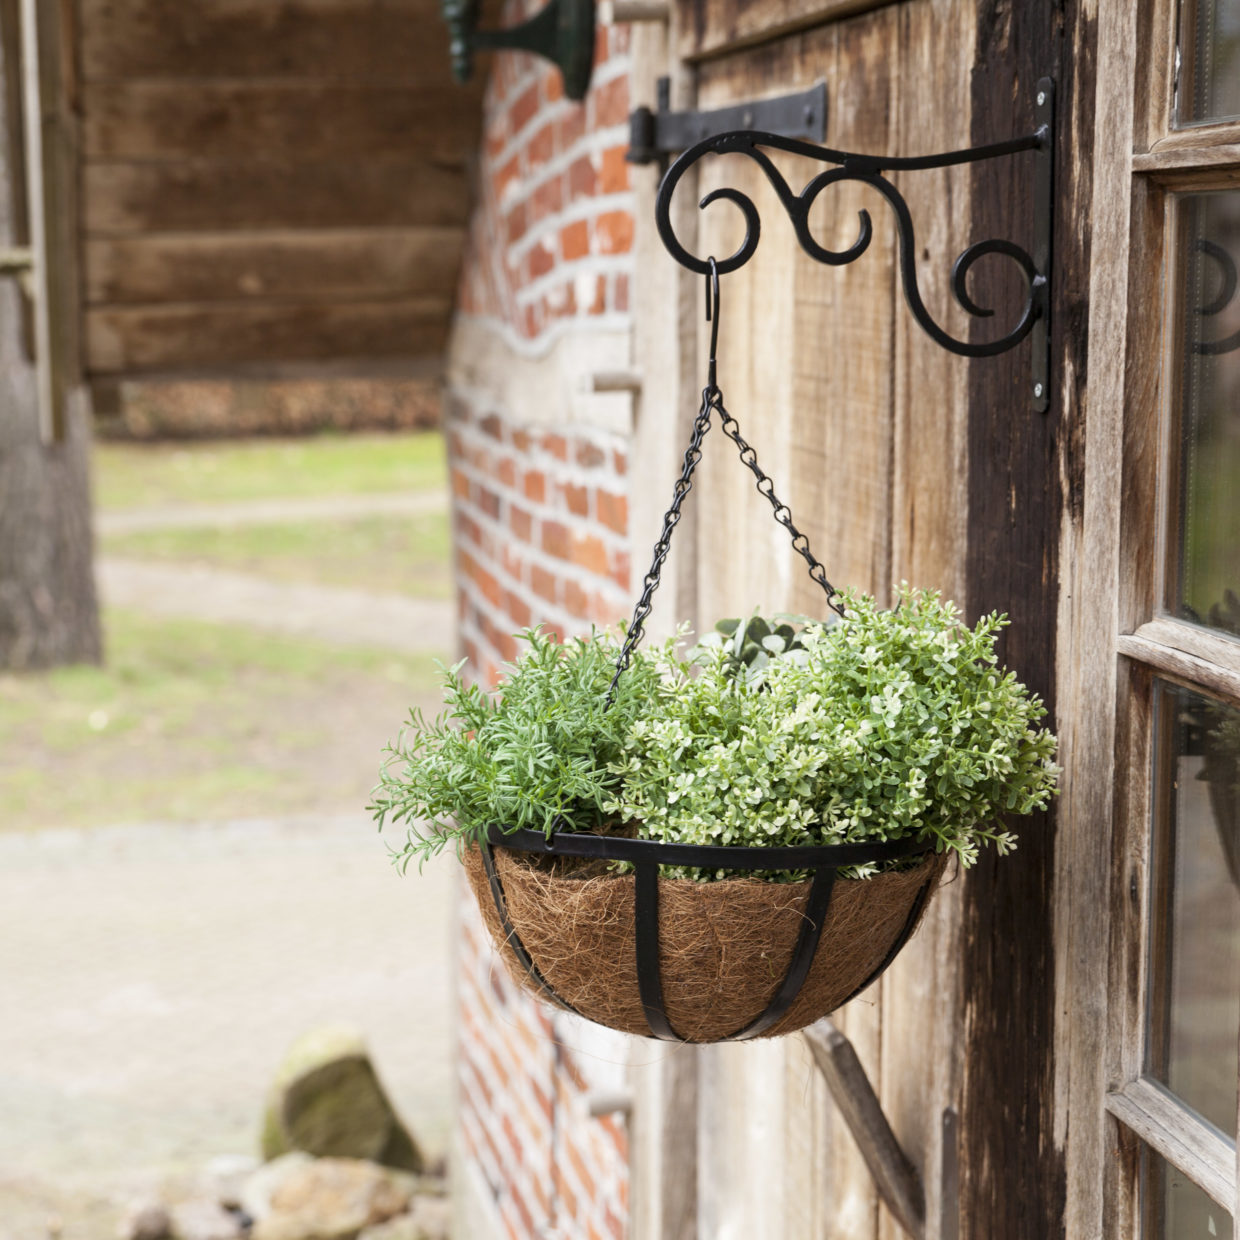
790, 797
690, 961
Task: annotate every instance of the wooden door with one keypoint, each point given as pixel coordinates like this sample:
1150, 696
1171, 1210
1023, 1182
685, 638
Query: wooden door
901, 462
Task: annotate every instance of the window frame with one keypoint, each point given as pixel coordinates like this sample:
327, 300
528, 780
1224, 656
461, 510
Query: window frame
1150, 643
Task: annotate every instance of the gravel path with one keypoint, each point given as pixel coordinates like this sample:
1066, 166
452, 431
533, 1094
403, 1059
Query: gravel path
152, 976
270, 512
329, 613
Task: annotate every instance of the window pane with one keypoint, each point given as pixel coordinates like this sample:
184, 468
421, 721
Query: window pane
1209, 87
1176, 1209
1204, 575
1195, 948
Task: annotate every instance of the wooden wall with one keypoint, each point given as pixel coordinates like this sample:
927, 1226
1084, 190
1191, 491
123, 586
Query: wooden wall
283, 181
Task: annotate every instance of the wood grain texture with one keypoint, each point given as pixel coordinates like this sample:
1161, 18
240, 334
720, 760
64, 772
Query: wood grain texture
307, 264
1186, 1142
165, 338
894, 1176
400, 41
712, 27
246, 120
201, 196
1024, 470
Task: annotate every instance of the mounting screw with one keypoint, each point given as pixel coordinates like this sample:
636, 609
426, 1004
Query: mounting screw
1037, 390
1041, 97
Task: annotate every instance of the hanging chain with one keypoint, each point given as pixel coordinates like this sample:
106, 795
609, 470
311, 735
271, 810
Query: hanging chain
684, 484
712, 399
783, 514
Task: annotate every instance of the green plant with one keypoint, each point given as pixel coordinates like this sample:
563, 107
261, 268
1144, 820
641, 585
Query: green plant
891, 724
886, 725
536, 754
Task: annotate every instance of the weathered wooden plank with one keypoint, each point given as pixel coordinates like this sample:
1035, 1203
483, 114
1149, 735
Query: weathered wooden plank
168, 337
712, 27
921, 992
895, 1177
204, 196
1024, 469
246, 121
1190, 1144
315, 265
406, 41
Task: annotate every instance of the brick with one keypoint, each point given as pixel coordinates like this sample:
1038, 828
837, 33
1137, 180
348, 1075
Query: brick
619, 39
534, 484
613, 232
556, 445
540, 1096
518, 610
561, 303
585, 1175
505, 177
460, 484
611, 103
520, 522
575, 241
543, 584
492, 427
529, 322
581, 179
620, 569
515, 223
557, 542
576, 499
553, 87
512, 563
599, 304
521, 440
506, 472
613, 511
541, 148
514, 1141
570, 129
601, 42
590, 553
620, 462
524, 108
576, 600
614, 173
487, 500
547, 199
539, 261
590, 455
620, 293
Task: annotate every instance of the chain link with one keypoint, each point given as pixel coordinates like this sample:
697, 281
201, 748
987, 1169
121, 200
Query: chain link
712, 399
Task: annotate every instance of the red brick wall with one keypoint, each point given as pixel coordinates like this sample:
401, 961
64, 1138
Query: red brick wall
540, 503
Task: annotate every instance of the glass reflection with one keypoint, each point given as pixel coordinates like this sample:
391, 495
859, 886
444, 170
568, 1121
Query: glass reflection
1204, 574
1176, 1209
1209, 88
1195, 946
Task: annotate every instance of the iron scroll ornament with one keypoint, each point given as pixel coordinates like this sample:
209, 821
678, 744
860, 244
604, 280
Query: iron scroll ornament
870, 170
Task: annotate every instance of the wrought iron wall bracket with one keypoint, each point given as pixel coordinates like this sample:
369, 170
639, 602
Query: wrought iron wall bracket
872, 170
562, 32
654, 135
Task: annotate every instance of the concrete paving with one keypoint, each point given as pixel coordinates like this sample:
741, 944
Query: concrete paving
270, 512
151, 978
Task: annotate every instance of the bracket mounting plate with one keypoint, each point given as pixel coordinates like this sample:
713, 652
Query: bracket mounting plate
654, 135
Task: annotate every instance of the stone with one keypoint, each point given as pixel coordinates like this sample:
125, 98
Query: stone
328, 1101
262, 1185
429, 1218
225, 1176
204, 1219
146, 1220
334, 1199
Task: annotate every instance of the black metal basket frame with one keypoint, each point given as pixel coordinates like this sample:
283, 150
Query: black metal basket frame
646, 856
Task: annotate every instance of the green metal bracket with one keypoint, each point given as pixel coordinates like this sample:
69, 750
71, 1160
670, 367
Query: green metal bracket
562, 33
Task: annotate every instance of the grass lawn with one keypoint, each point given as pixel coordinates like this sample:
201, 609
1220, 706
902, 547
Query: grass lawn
406, 554
154, 475
191, 721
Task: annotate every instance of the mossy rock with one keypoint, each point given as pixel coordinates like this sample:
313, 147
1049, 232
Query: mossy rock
327, 1100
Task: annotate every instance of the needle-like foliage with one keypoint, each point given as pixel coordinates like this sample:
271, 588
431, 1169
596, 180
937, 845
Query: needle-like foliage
885, 725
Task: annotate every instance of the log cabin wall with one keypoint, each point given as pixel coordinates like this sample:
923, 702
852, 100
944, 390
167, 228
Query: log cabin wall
268, 183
